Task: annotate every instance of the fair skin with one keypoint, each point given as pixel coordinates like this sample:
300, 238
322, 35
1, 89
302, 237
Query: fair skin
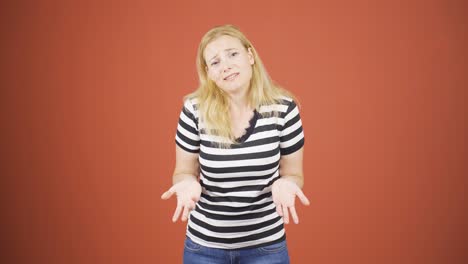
230, 67
225, 57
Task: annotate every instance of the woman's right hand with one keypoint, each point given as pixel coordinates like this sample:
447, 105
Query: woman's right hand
188, 192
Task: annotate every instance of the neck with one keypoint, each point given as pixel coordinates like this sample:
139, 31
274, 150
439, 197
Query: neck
239, 102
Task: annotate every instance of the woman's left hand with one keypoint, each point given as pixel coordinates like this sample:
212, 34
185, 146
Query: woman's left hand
284, 193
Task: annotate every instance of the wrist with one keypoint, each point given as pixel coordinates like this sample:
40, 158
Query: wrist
176, 178
298, 180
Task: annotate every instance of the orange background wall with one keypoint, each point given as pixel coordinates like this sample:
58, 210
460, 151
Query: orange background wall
91, 93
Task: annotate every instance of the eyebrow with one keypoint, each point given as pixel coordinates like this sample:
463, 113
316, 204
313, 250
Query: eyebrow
224, 50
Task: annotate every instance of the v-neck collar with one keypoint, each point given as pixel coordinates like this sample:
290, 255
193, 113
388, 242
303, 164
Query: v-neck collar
249, 130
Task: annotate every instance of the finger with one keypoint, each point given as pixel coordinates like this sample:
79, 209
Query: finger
292, 209
285, 214
302, 197
275, 200
196, 198
167, 195
176, 213
185, 213
279, 210
191, 205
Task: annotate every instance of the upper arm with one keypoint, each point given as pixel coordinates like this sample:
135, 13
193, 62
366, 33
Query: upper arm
188, 136
187, 141
292, 143
291, 133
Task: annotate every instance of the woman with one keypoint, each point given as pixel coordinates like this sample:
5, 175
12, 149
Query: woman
242, 136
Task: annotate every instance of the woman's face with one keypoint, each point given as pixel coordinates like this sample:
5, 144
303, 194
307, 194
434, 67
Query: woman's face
229, 64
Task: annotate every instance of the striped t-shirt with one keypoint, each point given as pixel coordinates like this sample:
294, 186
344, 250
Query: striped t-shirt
236, 209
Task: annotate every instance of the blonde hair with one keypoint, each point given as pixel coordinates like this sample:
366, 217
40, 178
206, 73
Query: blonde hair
214, 102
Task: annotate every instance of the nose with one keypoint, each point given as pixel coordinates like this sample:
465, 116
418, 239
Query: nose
227, 69
225, 65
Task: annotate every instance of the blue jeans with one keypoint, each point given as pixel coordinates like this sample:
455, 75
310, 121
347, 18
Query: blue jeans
273, 254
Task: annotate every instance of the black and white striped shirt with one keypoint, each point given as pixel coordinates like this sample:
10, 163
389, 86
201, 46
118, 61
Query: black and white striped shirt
236, 209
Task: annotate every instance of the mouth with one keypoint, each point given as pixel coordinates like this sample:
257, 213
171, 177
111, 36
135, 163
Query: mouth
231, 76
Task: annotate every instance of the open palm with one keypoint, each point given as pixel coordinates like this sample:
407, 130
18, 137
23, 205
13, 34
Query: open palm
188, 193
284, 193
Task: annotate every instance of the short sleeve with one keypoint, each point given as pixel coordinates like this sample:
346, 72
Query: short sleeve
187, 136
291, 133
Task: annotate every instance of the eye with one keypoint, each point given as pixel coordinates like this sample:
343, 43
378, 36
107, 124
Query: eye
234, 53
214, 63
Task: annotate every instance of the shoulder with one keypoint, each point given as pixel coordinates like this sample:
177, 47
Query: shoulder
282, 105
191, 105
286, 100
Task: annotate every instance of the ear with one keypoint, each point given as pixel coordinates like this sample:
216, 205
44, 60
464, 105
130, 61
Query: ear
208, 73
251, 56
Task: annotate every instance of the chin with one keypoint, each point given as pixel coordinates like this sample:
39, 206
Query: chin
231, 89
